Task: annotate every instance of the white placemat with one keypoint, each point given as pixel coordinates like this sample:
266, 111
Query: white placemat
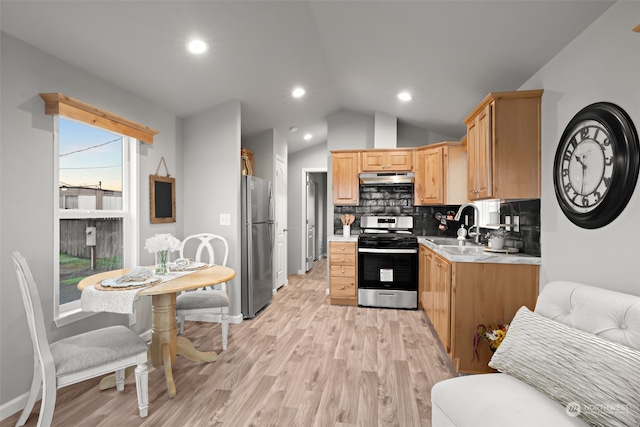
122, 301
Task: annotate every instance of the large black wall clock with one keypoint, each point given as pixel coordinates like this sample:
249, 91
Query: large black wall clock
596, 165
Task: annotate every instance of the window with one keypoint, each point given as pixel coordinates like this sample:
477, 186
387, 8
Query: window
95, 225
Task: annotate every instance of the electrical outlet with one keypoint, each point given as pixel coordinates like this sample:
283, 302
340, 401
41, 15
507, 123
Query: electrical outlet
225, 219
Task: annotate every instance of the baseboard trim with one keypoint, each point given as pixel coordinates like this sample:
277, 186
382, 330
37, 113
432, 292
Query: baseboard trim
14, 406
214, 318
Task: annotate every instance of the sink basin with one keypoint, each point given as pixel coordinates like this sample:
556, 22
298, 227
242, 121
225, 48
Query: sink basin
452, 242
463, 250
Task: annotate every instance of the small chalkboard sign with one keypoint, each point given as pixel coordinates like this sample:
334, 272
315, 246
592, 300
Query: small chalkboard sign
163, 199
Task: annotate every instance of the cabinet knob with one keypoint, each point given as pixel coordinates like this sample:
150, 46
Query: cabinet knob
342, 287
342, 260
342, 271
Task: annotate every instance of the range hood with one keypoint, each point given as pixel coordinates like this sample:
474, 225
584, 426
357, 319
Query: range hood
387, 178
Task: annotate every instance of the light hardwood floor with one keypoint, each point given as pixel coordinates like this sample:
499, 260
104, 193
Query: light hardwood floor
300, 362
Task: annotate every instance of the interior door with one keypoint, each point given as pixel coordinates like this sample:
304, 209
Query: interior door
311, 223
280, 258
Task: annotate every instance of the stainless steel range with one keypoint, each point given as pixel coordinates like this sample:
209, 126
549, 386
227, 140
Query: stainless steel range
387, 262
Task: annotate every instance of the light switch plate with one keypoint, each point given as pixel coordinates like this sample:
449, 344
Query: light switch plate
225, 219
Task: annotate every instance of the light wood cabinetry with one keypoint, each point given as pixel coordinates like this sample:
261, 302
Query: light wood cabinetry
441, 174
345, 178
460, 295
503, 139
387, 161
425, 296
343, 274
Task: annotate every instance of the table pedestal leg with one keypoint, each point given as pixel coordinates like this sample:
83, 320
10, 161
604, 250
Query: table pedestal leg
168, 374
186, 349
164, 336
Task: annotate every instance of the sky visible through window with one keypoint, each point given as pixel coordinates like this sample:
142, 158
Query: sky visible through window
89, 157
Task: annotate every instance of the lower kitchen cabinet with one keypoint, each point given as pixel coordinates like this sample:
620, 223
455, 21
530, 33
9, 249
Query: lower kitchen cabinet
435, 293
343, 274
460, 295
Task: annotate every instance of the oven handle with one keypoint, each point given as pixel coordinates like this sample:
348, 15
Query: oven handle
387, 251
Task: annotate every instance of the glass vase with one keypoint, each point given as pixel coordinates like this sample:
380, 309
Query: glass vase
161, 262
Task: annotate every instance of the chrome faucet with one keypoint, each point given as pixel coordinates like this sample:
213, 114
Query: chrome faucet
476, 217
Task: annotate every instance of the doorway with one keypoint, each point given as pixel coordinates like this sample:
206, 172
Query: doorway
314, 219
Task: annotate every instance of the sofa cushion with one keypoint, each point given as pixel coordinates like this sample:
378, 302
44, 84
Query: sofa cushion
497, 400
573, 367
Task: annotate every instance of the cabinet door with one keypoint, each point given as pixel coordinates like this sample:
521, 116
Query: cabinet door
423, 276
374, 161
399, 161
387, 161
479, 155
442, 300
345, 179
429, 183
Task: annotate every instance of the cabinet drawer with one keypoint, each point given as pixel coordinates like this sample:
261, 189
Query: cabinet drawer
342, 259
343, 287
342, 248
343, 271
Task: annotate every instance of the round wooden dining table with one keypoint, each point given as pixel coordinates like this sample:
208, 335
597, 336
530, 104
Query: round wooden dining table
166, 345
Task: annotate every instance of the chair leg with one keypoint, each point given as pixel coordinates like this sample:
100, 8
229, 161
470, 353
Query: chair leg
120, 379
36, 382
142, 389
48, 403
181, 324
225, 329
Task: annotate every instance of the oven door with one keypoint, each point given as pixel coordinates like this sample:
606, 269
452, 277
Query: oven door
388, 278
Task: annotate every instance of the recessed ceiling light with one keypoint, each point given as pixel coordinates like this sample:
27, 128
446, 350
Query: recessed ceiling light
405, 96
298, 92
307, 136
293, 129
197, 47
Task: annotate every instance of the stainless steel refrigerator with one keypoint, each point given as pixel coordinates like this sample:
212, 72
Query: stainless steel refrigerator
257, 244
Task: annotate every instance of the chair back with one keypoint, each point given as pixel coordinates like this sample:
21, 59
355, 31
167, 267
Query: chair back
35, 317
203, 247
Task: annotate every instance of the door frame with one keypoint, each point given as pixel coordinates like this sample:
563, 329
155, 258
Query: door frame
276, 218
303, 219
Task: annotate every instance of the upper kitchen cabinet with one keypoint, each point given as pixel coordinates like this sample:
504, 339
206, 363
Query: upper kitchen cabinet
382, 160
503, 146
441, 174
345, 177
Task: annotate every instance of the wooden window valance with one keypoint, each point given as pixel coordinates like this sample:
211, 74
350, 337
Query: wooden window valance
57, 103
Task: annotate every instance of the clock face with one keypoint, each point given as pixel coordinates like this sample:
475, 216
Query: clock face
596, 165
587, 165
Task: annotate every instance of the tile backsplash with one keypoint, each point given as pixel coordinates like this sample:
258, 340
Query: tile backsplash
398, 200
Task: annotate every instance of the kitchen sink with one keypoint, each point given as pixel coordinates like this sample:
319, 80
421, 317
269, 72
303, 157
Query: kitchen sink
464, 250
452, 242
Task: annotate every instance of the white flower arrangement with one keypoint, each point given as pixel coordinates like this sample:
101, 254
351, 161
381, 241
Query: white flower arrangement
162, 242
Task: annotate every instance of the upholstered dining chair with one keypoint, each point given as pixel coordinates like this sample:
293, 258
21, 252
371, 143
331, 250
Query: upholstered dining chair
77, 358
210, 300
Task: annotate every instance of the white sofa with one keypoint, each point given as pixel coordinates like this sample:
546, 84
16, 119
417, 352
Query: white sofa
603, 365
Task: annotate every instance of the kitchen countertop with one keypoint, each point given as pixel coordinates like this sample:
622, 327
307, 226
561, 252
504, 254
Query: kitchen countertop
450, 253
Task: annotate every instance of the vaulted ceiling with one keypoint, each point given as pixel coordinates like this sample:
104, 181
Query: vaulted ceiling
354, 55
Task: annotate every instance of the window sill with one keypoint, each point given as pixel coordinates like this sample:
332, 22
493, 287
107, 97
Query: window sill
71, 316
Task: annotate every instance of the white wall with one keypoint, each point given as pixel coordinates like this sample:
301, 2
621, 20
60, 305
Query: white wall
26, 179
314, 158
414, 136
601, 64
262, 146
212, 173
